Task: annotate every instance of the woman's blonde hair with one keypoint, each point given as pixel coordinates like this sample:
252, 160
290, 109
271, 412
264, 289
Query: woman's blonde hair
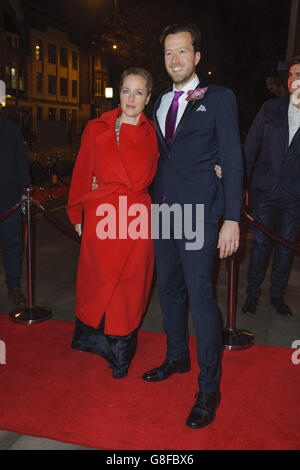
141, 73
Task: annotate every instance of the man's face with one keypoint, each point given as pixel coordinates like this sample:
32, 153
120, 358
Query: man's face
180, 58
294, 74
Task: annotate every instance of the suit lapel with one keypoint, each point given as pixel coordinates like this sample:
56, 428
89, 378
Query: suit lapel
284, 123
183, 119
296, 137
180, 125
160, 135
293, 145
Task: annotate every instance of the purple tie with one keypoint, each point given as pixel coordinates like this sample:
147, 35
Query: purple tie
171, 118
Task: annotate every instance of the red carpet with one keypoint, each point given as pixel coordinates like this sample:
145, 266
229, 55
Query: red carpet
49, 390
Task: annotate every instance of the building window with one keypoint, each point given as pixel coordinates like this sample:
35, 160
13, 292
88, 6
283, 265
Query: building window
39, 82
39, 113
13, 75
12, 40
38, 53
97, 87
64, 87
21, 81
74, 88
52, 85
74, 60
52, 114
63, 57
63, 115
52, 54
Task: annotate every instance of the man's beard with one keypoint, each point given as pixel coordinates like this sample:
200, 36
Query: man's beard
183, 80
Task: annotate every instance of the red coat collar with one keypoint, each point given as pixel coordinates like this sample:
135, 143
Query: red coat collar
110, 118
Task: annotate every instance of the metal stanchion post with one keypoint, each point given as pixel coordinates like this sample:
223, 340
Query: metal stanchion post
49, 166
29, 314
234, 339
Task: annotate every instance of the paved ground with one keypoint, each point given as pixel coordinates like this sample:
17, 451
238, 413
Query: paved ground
55, 263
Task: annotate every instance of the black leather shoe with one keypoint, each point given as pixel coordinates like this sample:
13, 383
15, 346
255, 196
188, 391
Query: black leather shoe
250, 305
204, 411
281, 307
166, 369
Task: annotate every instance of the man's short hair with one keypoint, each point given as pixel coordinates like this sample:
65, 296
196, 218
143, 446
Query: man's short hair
183, 28
294, 61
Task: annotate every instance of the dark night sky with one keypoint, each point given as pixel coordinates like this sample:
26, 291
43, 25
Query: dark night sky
242, 39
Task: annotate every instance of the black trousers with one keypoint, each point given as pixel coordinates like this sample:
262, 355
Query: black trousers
285, 215
183, 274
12, 247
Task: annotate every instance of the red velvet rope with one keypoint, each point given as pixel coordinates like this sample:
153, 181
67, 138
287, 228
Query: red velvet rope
10, 211
71, 232
294, 246
55, 221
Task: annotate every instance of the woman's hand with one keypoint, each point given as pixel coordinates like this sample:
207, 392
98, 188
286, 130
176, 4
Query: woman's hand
218, 171
78, 229
94, 183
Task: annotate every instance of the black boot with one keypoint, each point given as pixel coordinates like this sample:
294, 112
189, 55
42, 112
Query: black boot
281, 307
250, 305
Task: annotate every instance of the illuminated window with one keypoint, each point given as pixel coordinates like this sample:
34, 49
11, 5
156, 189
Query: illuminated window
38, 50
98, 87
13, 76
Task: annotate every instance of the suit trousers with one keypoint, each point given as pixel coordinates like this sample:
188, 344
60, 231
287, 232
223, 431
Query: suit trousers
285, 215
12, 246
187, 275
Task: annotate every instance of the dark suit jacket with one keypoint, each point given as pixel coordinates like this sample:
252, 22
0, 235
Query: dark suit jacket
208, 134
277, 164
14, 171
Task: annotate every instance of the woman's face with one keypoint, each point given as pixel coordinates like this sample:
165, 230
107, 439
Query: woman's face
133, 97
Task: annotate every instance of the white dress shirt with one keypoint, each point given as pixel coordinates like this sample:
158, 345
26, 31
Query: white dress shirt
167, 100
294, 120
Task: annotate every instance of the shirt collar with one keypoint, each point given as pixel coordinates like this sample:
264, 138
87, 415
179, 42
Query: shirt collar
189, 86
292, 108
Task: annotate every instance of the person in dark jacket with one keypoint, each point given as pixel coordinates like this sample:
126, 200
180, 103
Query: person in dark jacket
197, 129
14, 176
274, 138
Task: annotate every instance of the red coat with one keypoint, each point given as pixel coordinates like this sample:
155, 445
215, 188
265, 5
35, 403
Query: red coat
114, 275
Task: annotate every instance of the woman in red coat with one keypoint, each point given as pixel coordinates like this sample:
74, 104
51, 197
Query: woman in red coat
115, 270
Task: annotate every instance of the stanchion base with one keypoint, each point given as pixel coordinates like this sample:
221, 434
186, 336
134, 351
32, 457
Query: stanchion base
237, 339
30, 315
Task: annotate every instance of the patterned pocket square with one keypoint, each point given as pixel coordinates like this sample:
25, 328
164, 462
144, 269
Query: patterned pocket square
201, 108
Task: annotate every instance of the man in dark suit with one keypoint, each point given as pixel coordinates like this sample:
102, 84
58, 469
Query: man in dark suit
205, 133
274, 138
14, 175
